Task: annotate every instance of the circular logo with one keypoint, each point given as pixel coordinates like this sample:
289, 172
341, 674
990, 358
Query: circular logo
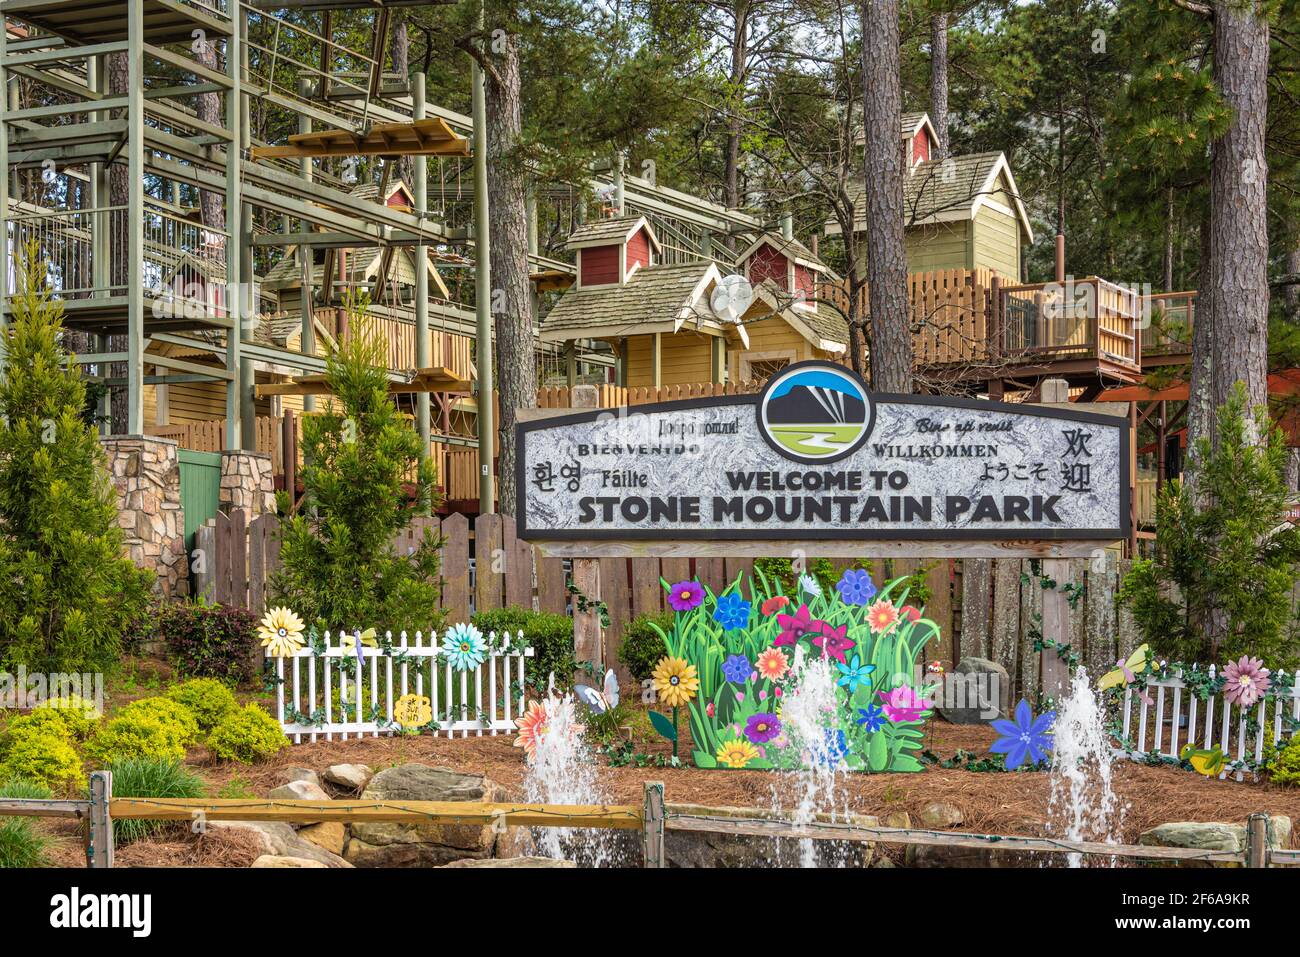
815, 412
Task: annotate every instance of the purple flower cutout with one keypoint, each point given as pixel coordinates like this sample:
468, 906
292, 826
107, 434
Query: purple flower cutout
762, 727
856, 587
686, 595
736, 669
1026, 738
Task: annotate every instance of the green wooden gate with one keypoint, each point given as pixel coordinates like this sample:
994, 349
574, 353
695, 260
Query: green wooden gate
200, 489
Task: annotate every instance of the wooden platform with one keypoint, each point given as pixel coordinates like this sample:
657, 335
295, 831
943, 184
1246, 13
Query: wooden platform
431, 137
105, 21
425, 380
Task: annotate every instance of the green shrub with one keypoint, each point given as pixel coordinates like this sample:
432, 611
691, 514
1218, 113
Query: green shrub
150, 777
79, 715
550, 635
1285, 766
642, 646
138, 735
21, 845
45, 721
40, 754
167, 712
208, 700
204, 640
246, 735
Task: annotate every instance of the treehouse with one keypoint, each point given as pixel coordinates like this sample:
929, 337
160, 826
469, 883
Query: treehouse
685, 323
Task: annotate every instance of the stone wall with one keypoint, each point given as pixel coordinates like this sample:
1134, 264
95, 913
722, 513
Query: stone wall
247, 483
146, 475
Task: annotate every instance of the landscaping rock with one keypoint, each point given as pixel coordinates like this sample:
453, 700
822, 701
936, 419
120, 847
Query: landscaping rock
510, 862
706, 849
270, 860
898, 819
299, 791
281, 840
422, 845
350, 777
977, 692
939, 814
289, 775
330, 835
1212, 836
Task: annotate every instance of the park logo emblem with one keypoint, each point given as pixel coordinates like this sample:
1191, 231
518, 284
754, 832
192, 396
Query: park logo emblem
815, 412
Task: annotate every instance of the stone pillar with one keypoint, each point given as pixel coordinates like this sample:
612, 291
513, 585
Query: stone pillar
247, 483
146, 475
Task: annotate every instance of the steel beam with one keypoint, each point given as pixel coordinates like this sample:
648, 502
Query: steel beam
134, 217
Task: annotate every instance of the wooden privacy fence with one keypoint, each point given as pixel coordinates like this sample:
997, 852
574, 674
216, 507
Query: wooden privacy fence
319, 698
615, 396
653, 818
1157, 729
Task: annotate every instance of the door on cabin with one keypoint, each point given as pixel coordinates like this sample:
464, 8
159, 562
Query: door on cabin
200, 490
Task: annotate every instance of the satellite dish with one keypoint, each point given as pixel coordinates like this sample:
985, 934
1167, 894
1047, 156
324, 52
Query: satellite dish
731, 298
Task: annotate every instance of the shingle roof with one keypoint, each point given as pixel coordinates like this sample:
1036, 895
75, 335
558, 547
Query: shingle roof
930, 190
908, 122
789, 247
828, 324
655, 294
611, 230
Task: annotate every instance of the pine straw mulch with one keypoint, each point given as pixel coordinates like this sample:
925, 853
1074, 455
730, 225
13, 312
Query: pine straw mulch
992, 803
173, 845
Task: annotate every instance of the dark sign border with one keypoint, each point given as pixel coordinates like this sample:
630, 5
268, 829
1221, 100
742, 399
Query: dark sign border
864, 533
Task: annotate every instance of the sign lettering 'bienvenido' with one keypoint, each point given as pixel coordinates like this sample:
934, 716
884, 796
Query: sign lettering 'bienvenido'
816, 455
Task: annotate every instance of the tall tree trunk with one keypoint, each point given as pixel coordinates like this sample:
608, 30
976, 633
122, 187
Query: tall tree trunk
119, 188
208, 107
399, 45
512, 292
939, 84
1200, 392
735, 122
1238, 205
1291, 293
891, 334
1169, 240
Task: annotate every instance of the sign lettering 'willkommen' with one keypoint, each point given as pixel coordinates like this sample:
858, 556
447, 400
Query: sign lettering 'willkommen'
817, 455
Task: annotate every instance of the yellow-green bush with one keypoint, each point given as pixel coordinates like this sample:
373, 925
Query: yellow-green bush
41, 754
208, 700
1285, 766
246, 735
79, 714
139, 735
46, 721
169, 713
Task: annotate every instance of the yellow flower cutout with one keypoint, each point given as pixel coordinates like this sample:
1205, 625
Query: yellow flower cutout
675, 681
412, 711
281, 633
736, 753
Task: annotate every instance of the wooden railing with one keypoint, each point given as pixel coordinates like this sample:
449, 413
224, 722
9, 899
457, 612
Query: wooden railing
613, 396
447, 349
209, 435
1080, 318
951, 315
1169, 330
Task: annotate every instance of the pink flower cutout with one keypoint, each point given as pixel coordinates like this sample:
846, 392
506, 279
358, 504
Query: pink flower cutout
902, 704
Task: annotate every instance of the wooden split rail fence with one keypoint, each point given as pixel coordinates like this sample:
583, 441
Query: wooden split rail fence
653, 818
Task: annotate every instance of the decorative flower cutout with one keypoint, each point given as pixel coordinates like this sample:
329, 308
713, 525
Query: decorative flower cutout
1245, 681
794, 627
854, 674
762, 727
464, 647
903, 704
412, 711
882, 616
686, 595
736, 753
736, 669
773, 664
731, 612
1026, 738
856, 587
281, 633
774, 604
675, 681
832, 641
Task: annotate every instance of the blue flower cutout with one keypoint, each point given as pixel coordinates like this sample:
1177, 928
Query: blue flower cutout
834, 746
737, 669
854, 674
872, 717
1026, 738
856, 587
732, 612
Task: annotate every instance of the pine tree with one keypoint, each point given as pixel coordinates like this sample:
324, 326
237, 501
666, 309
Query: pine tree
364, 481
67, 594
1219, 552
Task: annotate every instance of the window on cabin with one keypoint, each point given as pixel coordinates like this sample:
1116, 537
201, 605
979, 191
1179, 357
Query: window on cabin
761, 366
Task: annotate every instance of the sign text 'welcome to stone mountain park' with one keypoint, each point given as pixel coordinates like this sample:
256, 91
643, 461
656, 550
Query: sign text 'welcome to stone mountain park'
816, 455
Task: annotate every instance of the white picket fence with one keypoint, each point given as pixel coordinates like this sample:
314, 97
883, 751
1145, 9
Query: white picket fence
367, 696
1159, 727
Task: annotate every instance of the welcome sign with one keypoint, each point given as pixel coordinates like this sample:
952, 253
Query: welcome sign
816, 455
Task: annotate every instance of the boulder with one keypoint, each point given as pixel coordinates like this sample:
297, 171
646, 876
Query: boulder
710, 849
349, 777
976, 692
330, 835
299, 791
1213, 836
897, 819
510, 862
939, 814
281, 840
289, 775
422, 845
270, 860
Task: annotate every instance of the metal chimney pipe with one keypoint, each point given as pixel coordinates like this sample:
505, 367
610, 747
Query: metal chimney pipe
787, 226
1060, 257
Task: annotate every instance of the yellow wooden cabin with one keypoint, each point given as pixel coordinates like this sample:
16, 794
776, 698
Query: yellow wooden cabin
686, 323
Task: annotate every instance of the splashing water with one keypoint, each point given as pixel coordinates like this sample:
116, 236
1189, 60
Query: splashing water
810, 718
563, 771
1082, 805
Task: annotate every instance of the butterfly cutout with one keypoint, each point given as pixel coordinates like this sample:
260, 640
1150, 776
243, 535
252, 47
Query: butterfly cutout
600, 702
1124, 670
